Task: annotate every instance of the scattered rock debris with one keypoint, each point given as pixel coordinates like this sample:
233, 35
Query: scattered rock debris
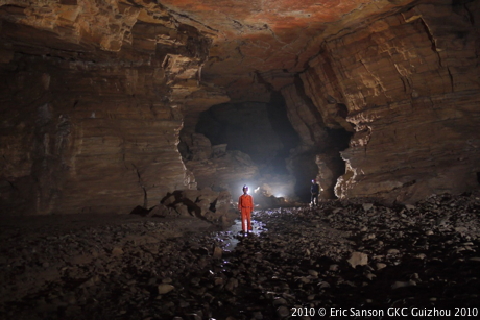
338, 255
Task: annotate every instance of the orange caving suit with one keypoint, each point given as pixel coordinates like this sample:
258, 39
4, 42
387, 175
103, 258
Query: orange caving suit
245, 205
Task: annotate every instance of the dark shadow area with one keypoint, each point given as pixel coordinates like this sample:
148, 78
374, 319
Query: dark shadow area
212, 128
339, 141
262, 130
303, 166
342, 110
277, 113
179, 197
304, 169
339, 138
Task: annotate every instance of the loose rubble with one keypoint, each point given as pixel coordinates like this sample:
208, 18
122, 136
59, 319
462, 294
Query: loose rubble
344, 254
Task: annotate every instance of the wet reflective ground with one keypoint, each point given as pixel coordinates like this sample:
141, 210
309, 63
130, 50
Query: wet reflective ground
229, 239
341, 255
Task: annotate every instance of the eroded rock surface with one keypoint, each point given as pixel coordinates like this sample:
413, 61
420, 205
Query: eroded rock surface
94, 95
214, 167
205, 204
405, 83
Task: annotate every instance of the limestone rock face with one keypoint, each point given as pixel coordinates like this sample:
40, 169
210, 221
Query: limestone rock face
317, 156
258, 43
204, 203
410, 86
92, 104
77, 142
304, 117
221, 170
94, 95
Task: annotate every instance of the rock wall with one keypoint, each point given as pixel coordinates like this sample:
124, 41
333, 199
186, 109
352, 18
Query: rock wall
93, 95
75, 141
317, 155
216, 168
92, 104
410, 86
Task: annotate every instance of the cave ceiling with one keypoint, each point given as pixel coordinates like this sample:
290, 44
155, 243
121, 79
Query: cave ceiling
266, 42
247, 47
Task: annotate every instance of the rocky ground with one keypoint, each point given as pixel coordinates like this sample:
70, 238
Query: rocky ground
355, 259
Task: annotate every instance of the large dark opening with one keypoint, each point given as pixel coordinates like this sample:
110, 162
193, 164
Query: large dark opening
304, 166
321, 158
339, 141
304, 169
262, 130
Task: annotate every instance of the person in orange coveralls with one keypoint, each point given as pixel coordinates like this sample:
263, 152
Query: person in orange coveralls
245, 205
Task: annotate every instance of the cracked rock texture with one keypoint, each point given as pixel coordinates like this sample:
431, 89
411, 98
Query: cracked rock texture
407, 87
383, 94
412, 100
91, 105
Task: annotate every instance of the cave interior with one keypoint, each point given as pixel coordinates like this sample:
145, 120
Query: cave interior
107, 106
167, 107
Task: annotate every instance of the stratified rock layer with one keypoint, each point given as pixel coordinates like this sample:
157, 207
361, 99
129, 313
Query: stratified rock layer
258, 44
410, 86
94, 93
317, 155
77, 142
92, 98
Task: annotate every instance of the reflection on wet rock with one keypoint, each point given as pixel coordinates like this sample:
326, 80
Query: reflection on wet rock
338, 255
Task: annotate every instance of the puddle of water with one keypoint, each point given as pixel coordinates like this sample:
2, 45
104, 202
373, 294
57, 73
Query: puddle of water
229, 239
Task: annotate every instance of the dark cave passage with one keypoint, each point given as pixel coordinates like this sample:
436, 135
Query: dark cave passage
340, 140
264, 132
319, 164
261, 130
304, 169
277, 115
319, 157
260, 134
